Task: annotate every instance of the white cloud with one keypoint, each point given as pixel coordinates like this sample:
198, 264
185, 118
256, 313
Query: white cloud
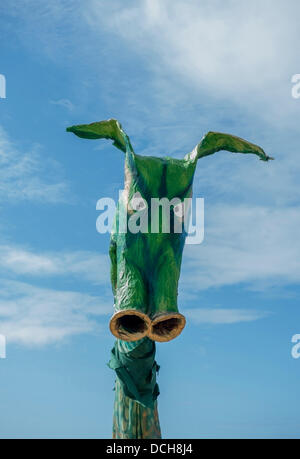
254, 246
84, 265
47, 27
189, 58
223, 316
35, 316
244, 179
235, 50
23, 175
65, 103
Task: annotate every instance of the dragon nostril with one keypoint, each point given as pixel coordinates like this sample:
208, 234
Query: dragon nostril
131, 324
166, 327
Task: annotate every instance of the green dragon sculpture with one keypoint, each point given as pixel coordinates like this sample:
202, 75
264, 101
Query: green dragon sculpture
145, 267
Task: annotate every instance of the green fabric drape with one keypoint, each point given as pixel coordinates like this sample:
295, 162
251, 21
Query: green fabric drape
136, 390
136, 368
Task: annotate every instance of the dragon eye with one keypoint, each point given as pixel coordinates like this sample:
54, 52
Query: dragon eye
179, 210
137, 202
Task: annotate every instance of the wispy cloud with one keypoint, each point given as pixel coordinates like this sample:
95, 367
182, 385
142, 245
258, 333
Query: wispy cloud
245, 245
65, 103
230, 49
34, 316
211, 62
47, 27
85, 265
23, 175
223, 316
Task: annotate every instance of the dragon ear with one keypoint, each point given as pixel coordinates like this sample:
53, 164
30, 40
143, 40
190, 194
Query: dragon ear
109, 129
217, 141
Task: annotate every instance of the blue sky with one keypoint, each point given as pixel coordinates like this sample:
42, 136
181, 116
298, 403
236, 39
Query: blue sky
169, 71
